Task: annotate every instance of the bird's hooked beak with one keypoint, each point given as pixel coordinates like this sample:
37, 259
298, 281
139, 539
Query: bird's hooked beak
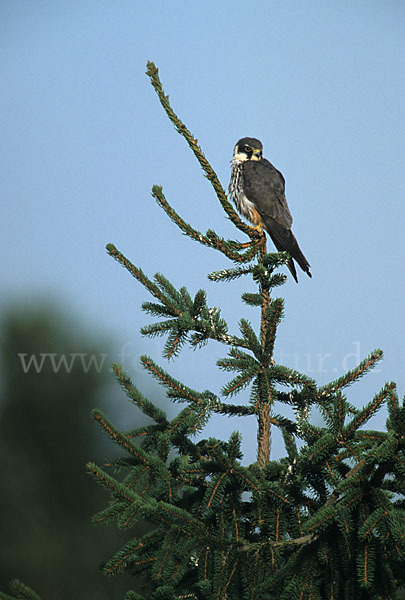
257, 155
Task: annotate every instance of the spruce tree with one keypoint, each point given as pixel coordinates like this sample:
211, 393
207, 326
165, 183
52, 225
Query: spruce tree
325, 522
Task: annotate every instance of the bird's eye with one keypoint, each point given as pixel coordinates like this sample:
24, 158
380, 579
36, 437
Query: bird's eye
248, 149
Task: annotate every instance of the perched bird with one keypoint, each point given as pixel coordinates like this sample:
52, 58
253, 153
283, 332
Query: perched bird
258, 190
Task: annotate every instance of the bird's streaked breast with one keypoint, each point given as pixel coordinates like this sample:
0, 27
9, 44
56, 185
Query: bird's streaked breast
243, 204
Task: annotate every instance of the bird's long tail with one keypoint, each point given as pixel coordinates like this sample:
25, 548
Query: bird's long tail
284, 240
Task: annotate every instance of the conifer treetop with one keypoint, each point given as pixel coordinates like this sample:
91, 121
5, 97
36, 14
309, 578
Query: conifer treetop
309, 526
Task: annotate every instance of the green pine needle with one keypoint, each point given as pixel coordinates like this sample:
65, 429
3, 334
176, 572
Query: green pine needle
21, 591
252, 299
351, 376
229, 274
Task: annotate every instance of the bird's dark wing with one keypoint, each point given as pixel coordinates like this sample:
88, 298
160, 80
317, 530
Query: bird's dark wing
264, 186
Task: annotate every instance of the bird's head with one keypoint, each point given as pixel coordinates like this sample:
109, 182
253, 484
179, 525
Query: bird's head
247, 149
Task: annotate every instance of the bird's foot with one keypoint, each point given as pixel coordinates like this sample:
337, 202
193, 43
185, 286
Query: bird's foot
257, 231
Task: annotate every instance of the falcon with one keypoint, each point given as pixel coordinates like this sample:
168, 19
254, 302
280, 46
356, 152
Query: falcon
258, 191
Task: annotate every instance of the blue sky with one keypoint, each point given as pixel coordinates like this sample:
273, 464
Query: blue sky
83, 139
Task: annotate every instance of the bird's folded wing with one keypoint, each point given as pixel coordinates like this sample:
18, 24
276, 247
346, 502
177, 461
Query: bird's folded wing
264, 186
